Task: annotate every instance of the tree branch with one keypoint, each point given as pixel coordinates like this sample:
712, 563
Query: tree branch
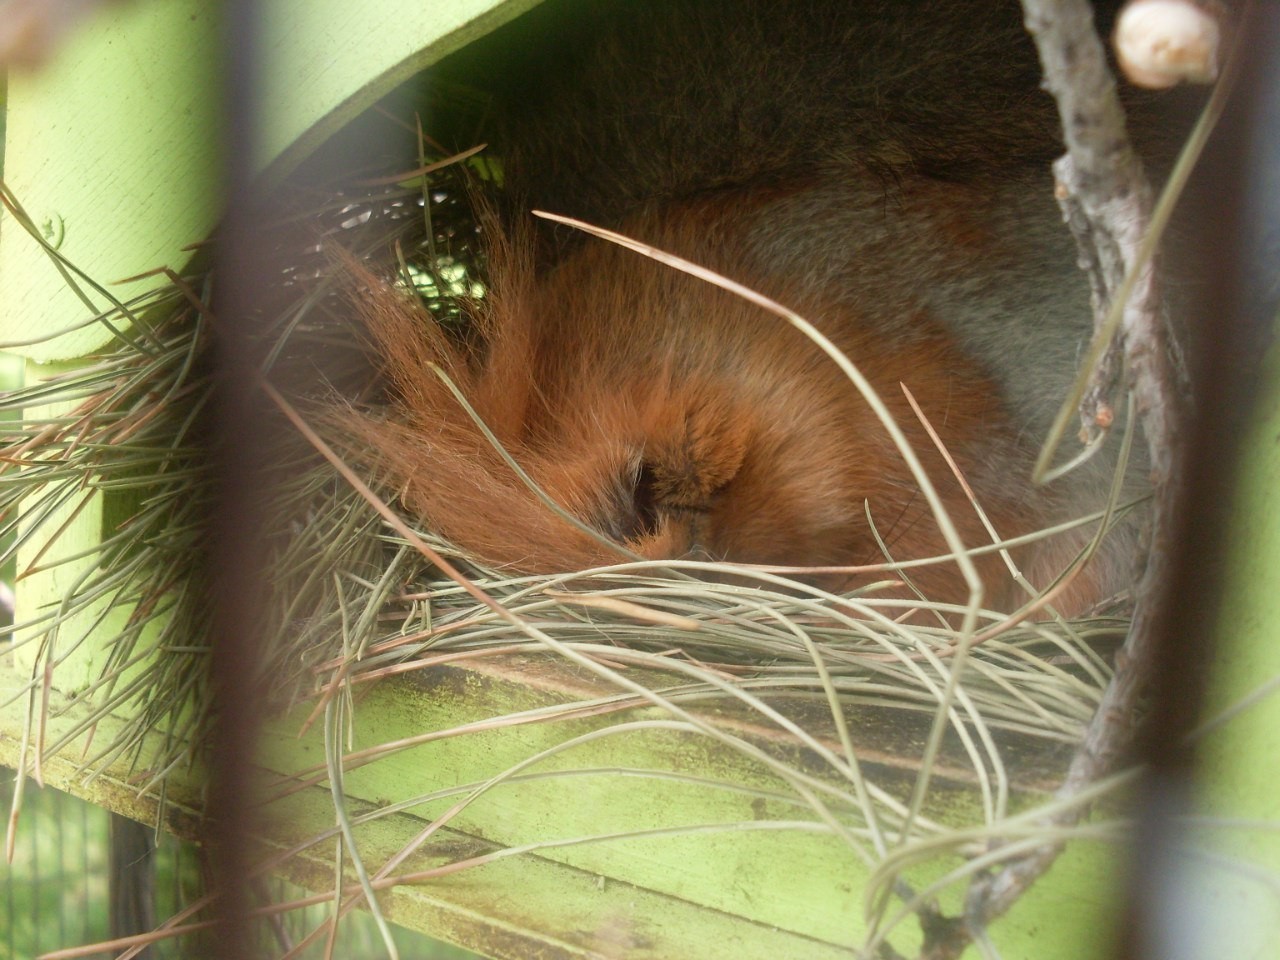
1106, 202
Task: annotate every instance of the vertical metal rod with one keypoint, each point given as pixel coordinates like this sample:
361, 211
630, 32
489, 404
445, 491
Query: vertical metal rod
239, 451
1230, 329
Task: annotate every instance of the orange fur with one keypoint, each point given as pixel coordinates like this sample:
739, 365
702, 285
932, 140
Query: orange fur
879, 167
680, 420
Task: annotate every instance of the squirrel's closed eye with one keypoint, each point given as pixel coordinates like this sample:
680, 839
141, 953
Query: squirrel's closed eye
642, 519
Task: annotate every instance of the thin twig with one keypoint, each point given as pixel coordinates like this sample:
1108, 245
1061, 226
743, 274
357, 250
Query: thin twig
1107, 202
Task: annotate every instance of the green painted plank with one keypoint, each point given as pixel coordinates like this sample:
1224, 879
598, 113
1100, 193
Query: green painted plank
736, 896
113, 149
806, 883
513, 909
113, 152
327, 60
796, 881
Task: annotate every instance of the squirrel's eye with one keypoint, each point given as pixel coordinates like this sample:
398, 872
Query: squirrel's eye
642, 519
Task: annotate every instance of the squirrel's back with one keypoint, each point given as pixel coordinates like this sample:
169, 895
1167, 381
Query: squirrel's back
882, 167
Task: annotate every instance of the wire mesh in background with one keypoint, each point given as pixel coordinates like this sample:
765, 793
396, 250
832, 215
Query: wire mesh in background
55, 890
56, 894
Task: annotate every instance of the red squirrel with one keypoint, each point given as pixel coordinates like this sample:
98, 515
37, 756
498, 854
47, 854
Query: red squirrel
879, 168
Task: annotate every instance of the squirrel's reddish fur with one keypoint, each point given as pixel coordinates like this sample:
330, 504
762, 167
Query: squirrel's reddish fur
679, 420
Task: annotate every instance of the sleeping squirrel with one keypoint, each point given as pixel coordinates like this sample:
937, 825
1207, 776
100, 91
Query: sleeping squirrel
881, 168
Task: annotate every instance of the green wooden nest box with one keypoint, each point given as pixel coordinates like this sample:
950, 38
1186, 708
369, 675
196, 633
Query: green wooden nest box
114, 152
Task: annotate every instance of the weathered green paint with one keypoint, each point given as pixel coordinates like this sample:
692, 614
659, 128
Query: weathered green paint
809, 884
114, 149
368, 49
513, 909
799, 882
1239, 759
734, 896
